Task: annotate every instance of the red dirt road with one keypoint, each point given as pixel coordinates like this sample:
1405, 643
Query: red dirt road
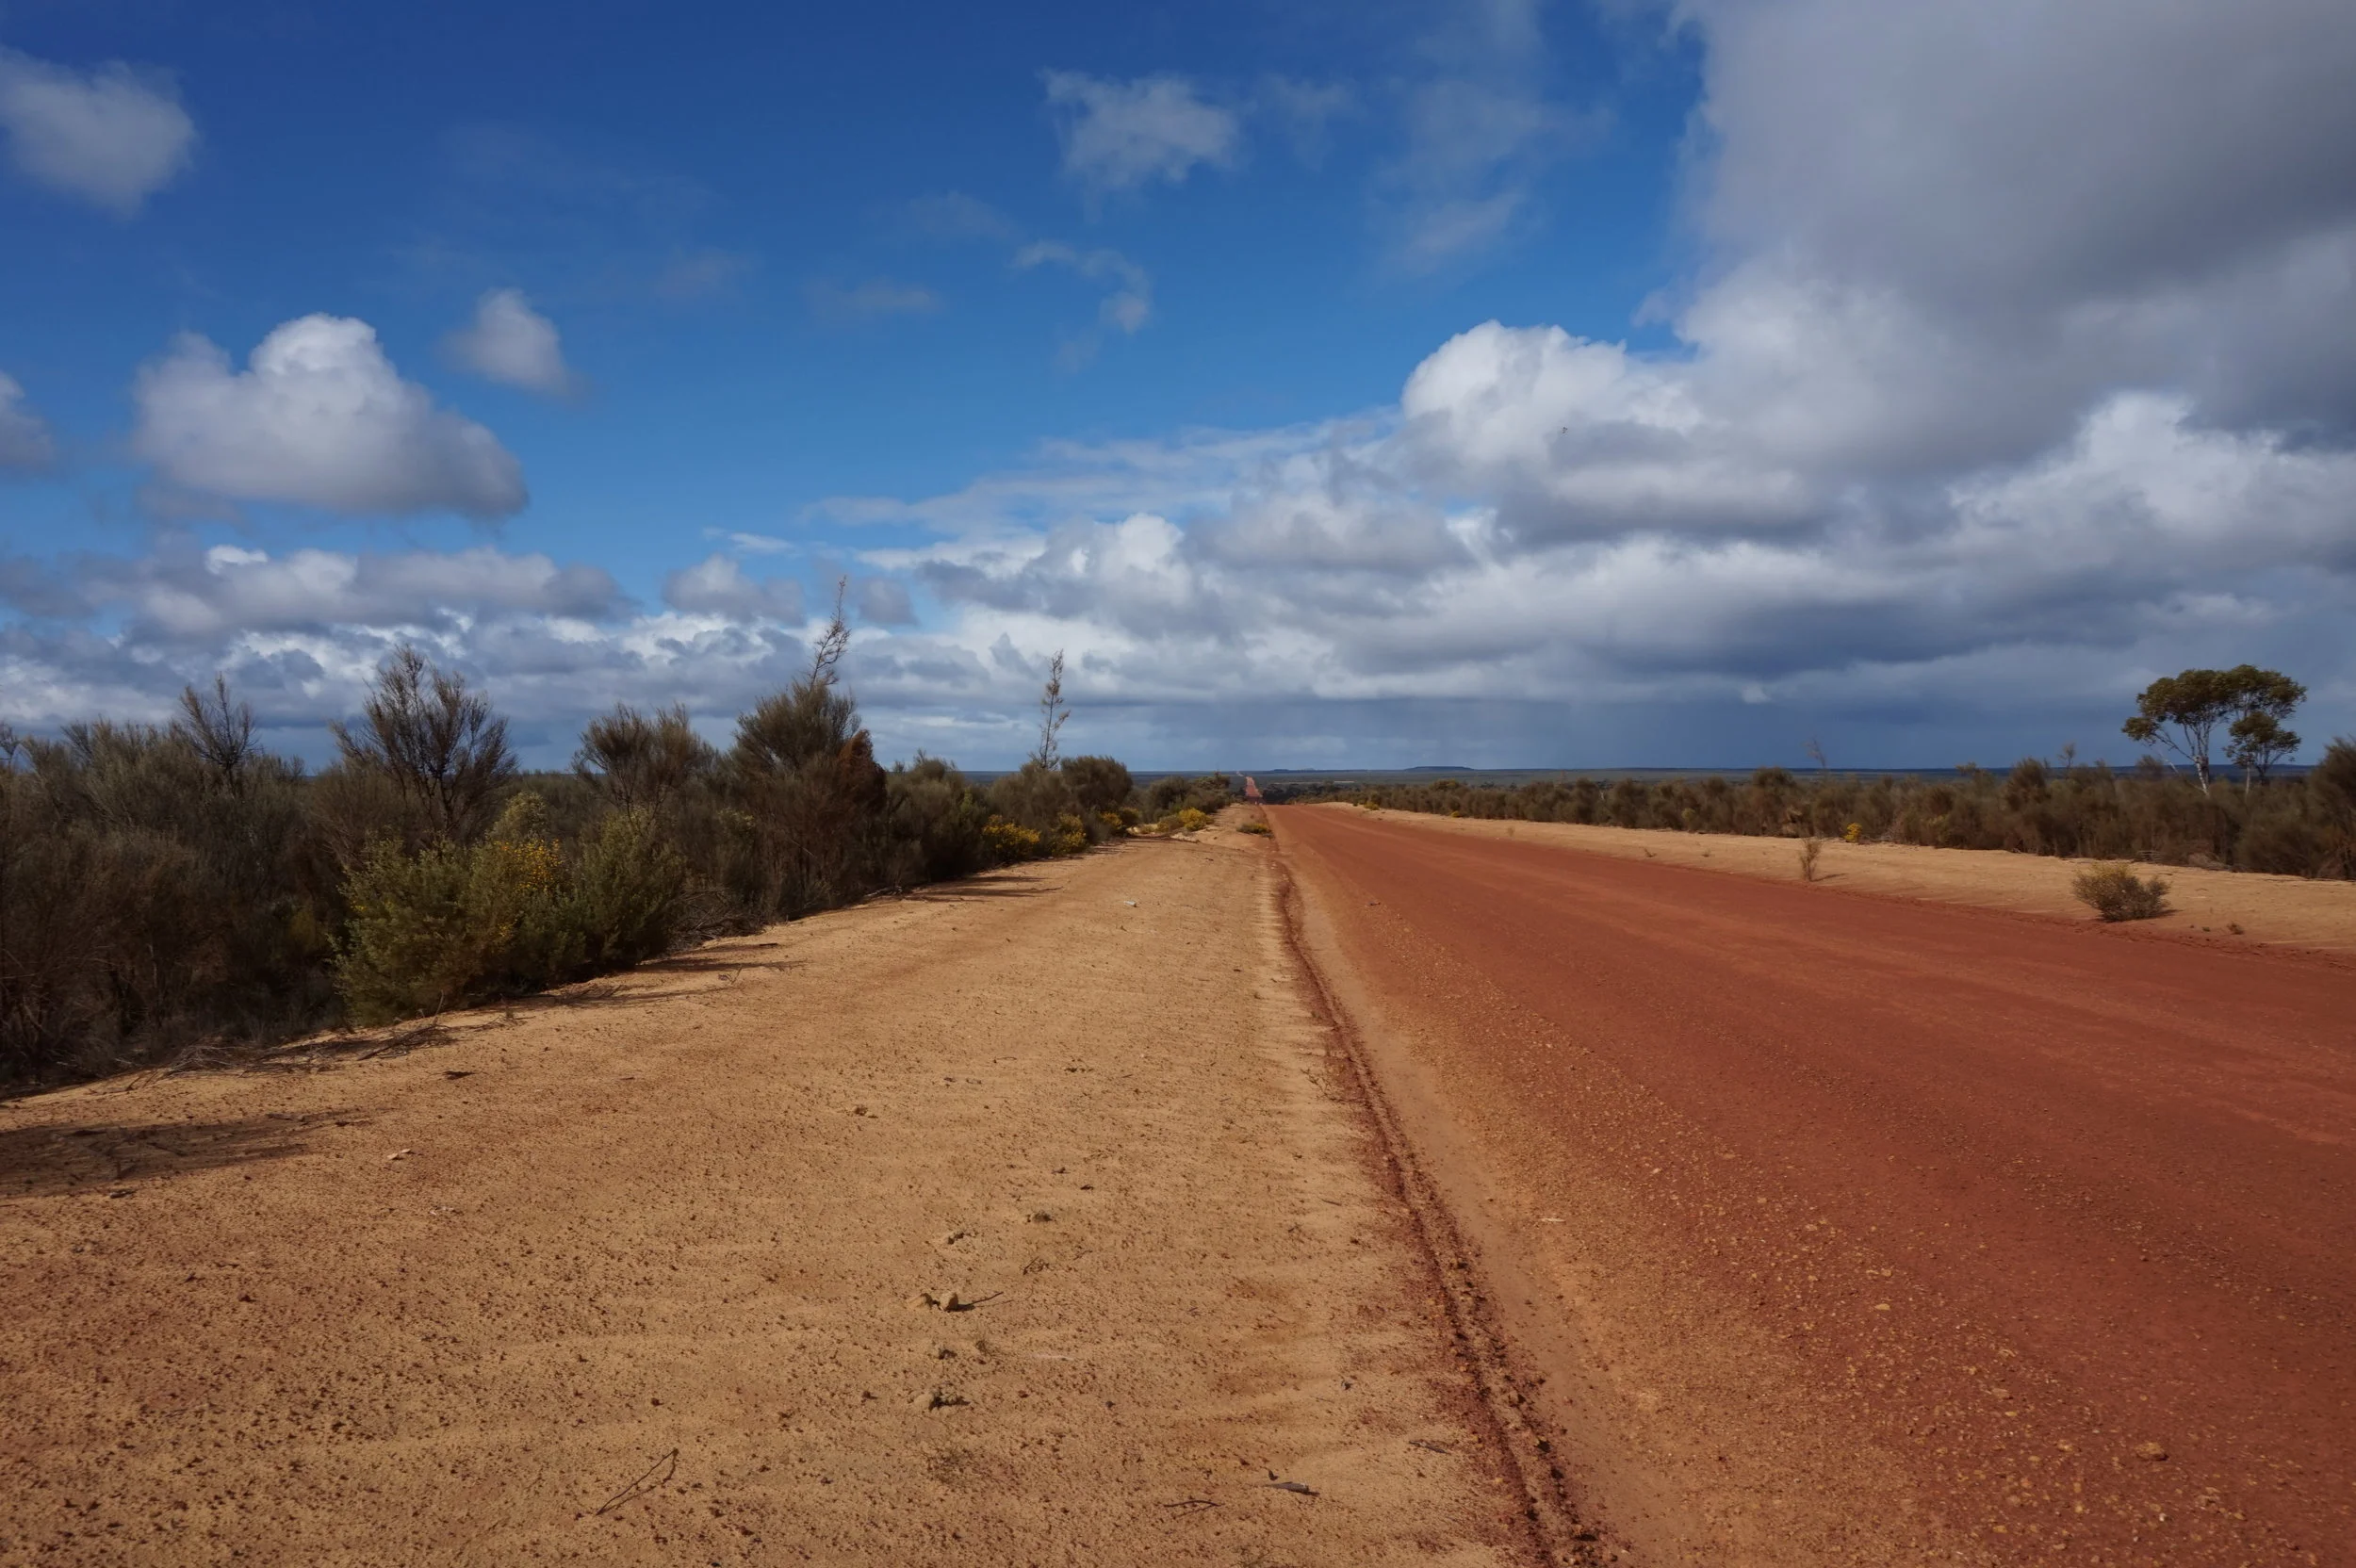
1844, 1229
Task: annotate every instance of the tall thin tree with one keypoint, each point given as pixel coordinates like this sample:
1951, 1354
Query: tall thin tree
1053, 711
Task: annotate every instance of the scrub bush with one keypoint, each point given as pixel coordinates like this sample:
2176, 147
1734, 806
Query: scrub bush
174, 886
2114, 891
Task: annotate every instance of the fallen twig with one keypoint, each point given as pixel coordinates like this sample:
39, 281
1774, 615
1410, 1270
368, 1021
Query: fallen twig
668, 1464
1191, 1503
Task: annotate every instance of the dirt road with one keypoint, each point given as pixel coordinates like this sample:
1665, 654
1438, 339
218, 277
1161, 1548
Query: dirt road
1850, 1229
1032, 1220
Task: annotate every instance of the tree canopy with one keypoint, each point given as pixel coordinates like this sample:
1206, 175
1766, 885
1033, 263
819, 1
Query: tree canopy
2182, 712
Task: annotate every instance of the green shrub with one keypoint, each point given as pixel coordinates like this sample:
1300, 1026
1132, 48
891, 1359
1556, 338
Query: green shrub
446, 926
1100, 784
936, 825
1035, 795
2116, 893
1208, 794
630, 889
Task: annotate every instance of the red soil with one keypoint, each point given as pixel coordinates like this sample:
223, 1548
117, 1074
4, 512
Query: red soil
1884, 1230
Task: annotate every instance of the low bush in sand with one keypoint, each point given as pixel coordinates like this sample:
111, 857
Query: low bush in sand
1012, 841
1263, 829
2114, 892
1811, 850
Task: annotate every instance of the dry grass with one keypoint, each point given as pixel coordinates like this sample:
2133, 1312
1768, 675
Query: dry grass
2114, 891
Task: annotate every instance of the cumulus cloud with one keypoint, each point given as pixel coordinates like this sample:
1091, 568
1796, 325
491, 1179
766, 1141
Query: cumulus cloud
320, 417
112, 136
717, 585
24, 438
1122, 135
512, 344
2058, 398
1972, 422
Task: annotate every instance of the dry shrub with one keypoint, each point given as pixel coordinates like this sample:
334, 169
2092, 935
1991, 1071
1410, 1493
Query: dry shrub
2115, 891
1811, 849
1263, 829
1070, 835
1012, 841
446, 926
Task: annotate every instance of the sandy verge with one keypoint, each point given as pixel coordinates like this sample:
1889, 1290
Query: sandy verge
2288, 910
639, 1274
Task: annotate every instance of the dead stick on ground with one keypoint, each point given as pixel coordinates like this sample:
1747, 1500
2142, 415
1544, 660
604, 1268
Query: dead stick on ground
639, 1487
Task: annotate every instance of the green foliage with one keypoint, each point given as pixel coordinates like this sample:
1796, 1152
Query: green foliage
1037, 796
2182, 712
803, 772
1100, 784
1168, 796
166, 888
153, 894
936, 825
2114, 892
630, 889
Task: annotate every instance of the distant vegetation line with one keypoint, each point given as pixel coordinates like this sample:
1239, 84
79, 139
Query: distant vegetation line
2300, 825
170, 888
2261, 816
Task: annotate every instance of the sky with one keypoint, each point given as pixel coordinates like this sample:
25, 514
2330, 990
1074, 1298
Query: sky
1637, 383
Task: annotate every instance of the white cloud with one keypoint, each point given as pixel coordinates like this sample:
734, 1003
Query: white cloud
112, 136
1126, 308
871, 300
1957, 451
1122, 135
883, 601
717, 586
1481, 134
512, 344
319, 419
24, 438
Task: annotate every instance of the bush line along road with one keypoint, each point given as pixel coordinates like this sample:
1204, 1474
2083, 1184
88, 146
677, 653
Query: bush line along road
1392, 1190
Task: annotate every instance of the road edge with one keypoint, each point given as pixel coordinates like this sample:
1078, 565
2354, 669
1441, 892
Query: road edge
1557, 1534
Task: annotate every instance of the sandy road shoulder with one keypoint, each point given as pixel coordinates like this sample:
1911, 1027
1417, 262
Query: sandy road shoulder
1026, 1221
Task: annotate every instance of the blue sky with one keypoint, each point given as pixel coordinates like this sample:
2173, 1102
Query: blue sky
1519, 384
